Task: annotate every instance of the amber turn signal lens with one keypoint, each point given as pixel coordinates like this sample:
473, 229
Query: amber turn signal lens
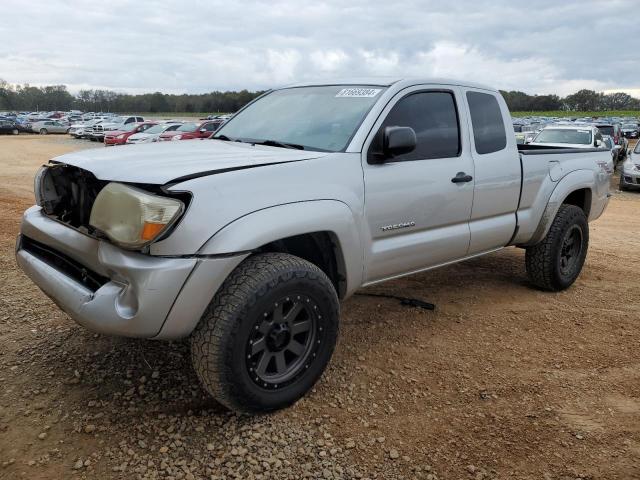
151, 230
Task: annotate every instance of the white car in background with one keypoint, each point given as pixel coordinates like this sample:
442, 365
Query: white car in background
630, 175
153, 133
569, 136
80, 130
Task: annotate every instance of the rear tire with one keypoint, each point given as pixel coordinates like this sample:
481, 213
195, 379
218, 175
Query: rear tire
15, 131
555, 262
43, 131
268, 334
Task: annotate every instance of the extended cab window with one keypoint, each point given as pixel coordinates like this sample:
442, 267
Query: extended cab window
434, 118
486, 118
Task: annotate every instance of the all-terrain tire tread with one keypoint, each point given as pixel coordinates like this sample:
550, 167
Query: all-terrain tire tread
218, 326
540, 258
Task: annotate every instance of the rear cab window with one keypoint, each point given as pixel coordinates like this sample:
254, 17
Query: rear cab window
489, 132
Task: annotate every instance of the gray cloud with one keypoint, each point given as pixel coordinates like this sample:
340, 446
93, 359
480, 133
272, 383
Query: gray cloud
541, 46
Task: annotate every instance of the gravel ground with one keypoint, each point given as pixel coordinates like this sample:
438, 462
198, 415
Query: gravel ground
500, 382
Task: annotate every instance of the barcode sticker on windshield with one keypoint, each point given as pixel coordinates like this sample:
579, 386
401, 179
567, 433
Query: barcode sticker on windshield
358, 92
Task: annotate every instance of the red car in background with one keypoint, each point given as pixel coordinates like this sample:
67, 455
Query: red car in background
192, 130
119, 137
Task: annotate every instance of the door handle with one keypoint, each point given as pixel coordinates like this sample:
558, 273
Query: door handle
461, 177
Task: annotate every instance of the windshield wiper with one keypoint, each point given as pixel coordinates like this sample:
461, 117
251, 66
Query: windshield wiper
276, 143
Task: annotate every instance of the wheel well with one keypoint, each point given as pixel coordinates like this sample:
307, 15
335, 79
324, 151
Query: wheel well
320, 248
580, 198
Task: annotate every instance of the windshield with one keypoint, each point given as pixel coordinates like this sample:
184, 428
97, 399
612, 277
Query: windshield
562, 135
156, 129
130, 127
629, 126
188, 127
316, 118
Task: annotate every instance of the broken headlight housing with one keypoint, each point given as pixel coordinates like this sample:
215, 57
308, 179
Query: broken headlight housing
133, 218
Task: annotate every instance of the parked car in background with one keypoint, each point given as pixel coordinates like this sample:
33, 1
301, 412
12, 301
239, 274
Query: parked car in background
190, 130
113, 124
49, 126
224, 117
23, 125
152, 134
608, 143
119, 137
630, 174
615, 131
631, 130
83, 129
8, 126
569, 136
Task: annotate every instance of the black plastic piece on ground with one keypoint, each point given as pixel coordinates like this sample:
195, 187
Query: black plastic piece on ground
408, 302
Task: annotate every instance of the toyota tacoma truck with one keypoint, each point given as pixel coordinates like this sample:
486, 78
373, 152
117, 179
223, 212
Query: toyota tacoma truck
247, 242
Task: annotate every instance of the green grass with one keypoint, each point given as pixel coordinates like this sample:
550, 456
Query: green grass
562, 113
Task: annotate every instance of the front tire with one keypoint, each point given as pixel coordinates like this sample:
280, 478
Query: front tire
15, 131
43, 131
268, 334
555, 262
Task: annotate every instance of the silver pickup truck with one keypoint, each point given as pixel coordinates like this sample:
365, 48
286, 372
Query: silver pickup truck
247, 242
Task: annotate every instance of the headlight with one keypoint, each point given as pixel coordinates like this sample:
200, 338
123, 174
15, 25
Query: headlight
131, 217
176, 137
121, 136
37, 185
628, 166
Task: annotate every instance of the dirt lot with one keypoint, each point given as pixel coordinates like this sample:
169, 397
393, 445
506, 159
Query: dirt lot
501, 381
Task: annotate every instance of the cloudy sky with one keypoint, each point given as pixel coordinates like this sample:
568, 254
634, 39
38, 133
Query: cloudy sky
538, 46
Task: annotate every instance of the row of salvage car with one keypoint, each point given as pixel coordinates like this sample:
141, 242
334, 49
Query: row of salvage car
135, 129
606, 132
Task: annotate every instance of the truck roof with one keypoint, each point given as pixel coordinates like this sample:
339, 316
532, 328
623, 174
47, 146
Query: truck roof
400, 82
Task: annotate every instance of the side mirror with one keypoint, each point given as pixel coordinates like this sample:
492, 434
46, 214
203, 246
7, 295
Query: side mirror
598, 143
398, 141
203, 130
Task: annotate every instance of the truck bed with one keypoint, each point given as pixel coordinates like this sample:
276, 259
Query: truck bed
544, 168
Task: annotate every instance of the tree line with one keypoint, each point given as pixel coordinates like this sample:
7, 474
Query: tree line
581, 101
57, 97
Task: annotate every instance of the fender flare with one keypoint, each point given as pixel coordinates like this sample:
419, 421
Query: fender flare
576, 180
261, 227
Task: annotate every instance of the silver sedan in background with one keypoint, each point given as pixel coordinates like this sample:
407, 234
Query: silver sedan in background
49, 126
630, 174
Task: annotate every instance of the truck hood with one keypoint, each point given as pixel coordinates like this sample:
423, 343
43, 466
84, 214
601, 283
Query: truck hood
167, 162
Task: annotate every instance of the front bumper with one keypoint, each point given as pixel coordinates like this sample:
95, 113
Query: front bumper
630, 179
140, 295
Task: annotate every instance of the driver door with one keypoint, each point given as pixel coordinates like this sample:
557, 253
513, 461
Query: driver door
416, 211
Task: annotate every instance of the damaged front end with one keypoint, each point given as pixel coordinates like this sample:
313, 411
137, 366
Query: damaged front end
67, 193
